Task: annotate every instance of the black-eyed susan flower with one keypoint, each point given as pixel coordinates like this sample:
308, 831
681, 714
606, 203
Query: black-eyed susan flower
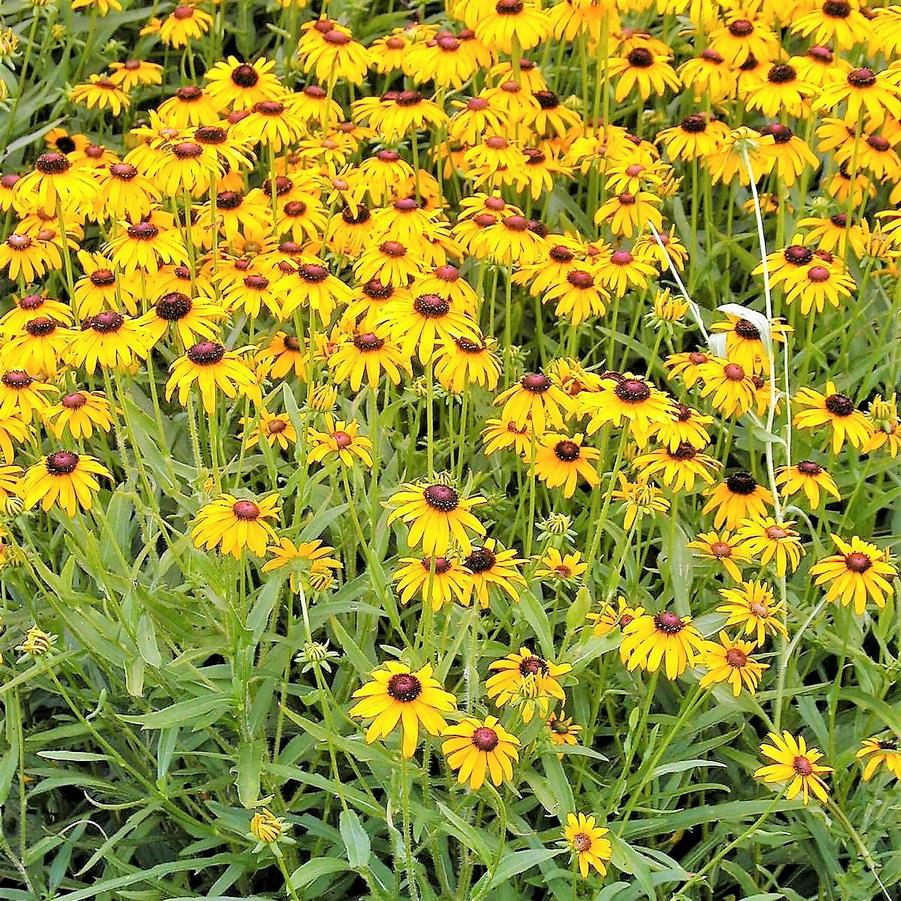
212, 368
234, 524
753, 607
837, 412
107, 340
183, 25
266, 827
311, 562
463, 362
587, 842
501, 434
685, 426
29, 258
421, 323
534, 401
561, 460
859, 570
879, 752
626, 400
794, 763
144, 244
738, 497
863, 93
55, 182
135, 73
79, 413
397, 695
525, 680
638, 499
642, 69
13, 432
38, 347
579, 295
883, 416
611, 617
562, 730
436, 515
191, 319
101, 92
369, 354
10, 477
273, 428
22, 395
677, 468
768, 539
730, 661
729, 386
621, 270
334, 55
340, 440
64, 478
556, 567
238, 85
491, 566
807, 476
665, 637
724, 549
512, 22
476, 749
438, 581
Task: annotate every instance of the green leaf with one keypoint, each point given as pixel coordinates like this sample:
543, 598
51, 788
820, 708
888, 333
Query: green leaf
517, 862
356, 839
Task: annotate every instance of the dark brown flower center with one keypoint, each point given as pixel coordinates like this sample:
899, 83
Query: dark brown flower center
143, 231
469, 347
720, 550
809, 468
480, 560
580, 279
52, 163
858, 562
746, 329
839, 405
694, 123
431, 306
640, 58
245, 510
173, 306
536, 382
509, 7
741, 28
797, 254
736, 658
404, 687
206, 353
632, 391
741, 483
368, 341
123, 171
669, 623
533, 666
16, 379
781, 73
561, 254
802, 766
269, 108
107, 322
186, 150
211, 134
733, 372
441, 497
61, 463
245, 76
312, 272
74, 401
485, 739
567, 451
776, 533
276, 426
190, 92
40, 327
342, 439
862, 78
837, 9
581, 842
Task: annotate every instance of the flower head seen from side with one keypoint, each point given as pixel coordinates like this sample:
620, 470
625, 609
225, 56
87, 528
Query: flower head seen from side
266, 827
879, 752
587, 841
639, 499
525, 680
753, 607
611, 617
794, 763
436, 514
730, 661
562, 730
665, 637
397, 695
476, 749
63, 478
807, 476
233, 524
859, 570
310, 563
493, 567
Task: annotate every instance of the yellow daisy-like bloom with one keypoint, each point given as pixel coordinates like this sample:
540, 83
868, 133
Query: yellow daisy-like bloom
880, 752
340, 439
266, 827
883, 414
609, 617
64, 478
639, 499
526, 680
212, 367
439, 581
310, 561
796, 764
79, 413
650, 72
737, 498
858, 570
275, 428
729, 386
9, 481
134, 73
562, 730
395, 695
809, 477
685, 426
665, 637
730, 661
491, 566
754, 607
678, 468
21, 395
29, 258
476, 748
626, 399
512, 21
770, 540
54, 181
463, 362
191, 320
233, 524
724, 549
234, 85
12, 431
835, 410
555, 566
436, 514
143, 245
560, 460
102, 92
586, 840
183, 25
369, 354
687, 366
865, 92
499, 434
535, 401
108, 341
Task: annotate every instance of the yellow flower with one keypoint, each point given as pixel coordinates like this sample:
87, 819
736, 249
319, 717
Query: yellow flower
79, 413
665, 637
858, 570
64, 478
439, 580
560, 460
436, 515
526, 680
880, 752
395, 694
586, 840
838, 412
340, 439
722, 548
753, 606
479, 748
234, 524
312, 560
491, 566
555, 566
730, 661
768, 539
809, 477
213, 368
794, 763
629, 400
610, 617
266, 827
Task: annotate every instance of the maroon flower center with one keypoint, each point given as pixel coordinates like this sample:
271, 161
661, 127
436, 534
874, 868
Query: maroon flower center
375, 290
447, 273
61, 463
19, 242
632, 391
31, 302
190, 92
797, 255
276, 426
485, 739
52, 163
561, 254
442, 565
143, 231
640, 58
776, 533
746, 329
839, 405
818, 274
740, 28
186, 150
295, 208
536, 382
245, 76
183, 12
694, 124
392, 248
229, 200
368, 341
256, 282
741, 483
441, 497
669, 623
733, 372
862, 78
809, 468
685, 451
720, 550
509, 7
40, 327
206, 353
581, 842
342, 439
621, 258
431, 306
107, 322
858, 562
123, 171
533, 666
246, 510
802, 766
312, 272
404, 687
9, 179
696, 358
821, 54
580, 279
736, 658
16, 379
480, 560
74, 401
567, 451
173, 306
336, 38
781, 73
516, 223
211, 134
837, 9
